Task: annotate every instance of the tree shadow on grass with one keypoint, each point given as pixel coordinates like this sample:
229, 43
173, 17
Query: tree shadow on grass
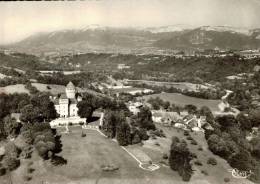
58, 144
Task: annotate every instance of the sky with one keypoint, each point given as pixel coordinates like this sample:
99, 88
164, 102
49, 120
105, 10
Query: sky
21, 19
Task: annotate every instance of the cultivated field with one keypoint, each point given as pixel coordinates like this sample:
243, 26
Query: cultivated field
183, 100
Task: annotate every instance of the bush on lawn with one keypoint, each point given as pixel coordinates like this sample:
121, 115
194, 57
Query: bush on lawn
226, 180
193, 142
165, 156
200, 148
27, 178
204, 172
189, 138
158, 133
197, 162
212, 161
186, 133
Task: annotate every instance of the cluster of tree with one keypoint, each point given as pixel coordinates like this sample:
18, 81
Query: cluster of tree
91, 102
35, 108
128, 130
10, 72
228, 140
180, 157
11, 158
83, 79
44, 139
157, 103
25, 62
12, 81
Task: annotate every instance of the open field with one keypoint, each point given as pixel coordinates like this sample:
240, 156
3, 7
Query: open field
178, 85
17, 88
182, 100
54, 89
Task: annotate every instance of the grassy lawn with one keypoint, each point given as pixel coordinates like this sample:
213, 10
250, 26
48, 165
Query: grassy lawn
85, 156
216, 174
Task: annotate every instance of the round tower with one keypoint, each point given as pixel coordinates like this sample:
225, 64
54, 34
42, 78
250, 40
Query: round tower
70, 90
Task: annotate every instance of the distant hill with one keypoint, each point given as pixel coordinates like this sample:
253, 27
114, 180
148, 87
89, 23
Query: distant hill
211, 37
109, 39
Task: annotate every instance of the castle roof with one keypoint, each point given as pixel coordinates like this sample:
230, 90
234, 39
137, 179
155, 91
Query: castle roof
70, 85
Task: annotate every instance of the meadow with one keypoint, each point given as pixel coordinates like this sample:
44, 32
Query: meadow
182, 100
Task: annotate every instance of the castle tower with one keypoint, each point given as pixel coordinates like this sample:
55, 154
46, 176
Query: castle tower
70, 90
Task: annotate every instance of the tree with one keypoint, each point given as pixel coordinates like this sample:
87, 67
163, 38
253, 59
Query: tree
180, 157
88, 105
254, 116
45, 105
123, 135
205, 111
31, 114
144, 119
218, 146
192, 109
241, 160
11, 126
244, 122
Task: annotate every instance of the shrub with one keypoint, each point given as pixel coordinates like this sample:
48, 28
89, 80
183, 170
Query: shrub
200, 148
226, 180
165, 156
193, 142
158, 133
193, 155
156, 144
189, 138
212, 161
197, 162
186, 133
30, 170
27, 178
204, 172
70, 124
